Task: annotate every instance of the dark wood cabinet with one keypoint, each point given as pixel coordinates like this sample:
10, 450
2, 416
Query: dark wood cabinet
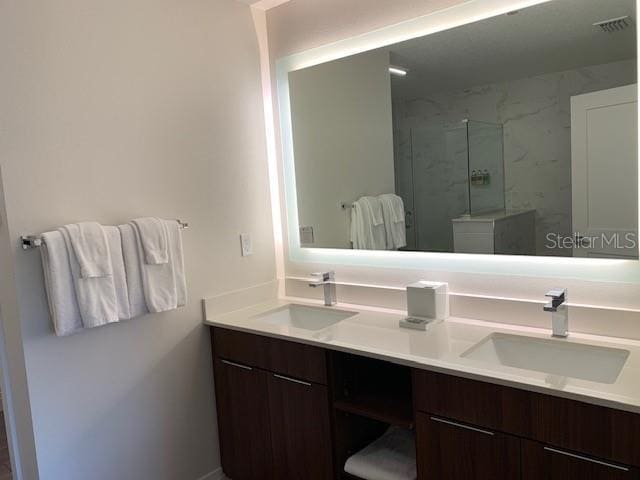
243, 420
455, 451
273, 424
542, 462
300, 430
297, 412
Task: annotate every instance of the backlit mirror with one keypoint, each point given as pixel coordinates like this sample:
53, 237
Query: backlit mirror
514, 135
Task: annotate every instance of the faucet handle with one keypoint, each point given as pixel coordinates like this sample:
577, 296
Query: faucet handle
325, 276
557, 293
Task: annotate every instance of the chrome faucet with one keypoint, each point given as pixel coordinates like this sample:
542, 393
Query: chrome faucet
326, 280
559, 312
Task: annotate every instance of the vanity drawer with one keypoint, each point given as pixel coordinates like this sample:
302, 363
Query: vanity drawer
594, 430
293, 359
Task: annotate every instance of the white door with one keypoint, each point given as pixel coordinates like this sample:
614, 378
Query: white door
604, 172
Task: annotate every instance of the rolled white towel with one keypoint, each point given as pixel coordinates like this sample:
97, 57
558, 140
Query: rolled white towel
59, 284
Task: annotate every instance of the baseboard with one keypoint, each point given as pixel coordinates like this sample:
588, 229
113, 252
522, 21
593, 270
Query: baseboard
215, 475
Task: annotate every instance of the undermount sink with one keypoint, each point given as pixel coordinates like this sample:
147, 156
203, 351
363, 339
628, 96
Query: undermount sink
304, 317
556, 357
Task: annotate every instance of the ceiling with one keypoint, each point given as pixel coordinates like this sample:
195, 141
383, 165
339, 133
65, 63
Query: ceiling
550, 37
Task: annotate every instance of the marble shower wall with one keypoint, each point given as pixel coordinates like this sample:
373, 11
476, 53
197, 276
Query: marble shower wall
536, 116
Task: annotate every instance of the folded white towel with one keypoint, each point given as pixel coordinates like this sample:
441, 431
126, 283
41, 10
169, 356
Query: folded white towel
133, 266
391, 457
96, 295
393, 213
367, 225
174, 235
61, 294
114, 241
158, 279
153, 239
90, 248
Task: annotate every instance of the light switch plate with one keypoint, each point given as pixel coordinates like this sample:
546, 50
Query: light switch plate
245, 244
306, 235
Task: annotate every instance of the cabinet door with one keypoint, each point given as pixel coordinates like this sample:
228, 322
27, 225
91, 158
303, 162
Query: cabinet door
448, 450
300, 433
541, 462
243, 421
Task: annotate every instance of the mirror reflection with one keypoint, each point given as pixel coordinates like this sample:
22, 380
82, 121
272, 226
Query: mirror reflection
514, 135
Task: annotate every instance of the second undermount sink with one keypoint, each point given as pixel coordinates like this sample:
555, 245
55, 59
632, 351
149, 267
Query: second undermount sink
304, 317
556, 357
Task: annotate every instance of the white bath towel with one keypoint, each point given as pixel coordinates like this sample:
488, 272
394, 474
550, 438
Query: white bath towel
393, 213
391, 457
90, 248
158, 279
96, 296
114, 241
174, 236
153, 238
375, 209
61, 294
133, 265
367, 225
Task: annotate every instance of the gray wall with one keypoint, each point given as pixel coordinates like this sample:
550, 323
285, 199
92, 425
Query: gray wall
112, 110
536, 115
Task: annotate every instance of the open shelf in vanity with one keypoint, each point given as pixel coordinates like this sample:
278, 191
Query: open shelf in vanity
373, 389
368, 397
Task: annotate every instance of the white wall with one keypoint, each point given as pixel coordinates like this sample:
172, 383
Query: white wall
343, 140
111, 110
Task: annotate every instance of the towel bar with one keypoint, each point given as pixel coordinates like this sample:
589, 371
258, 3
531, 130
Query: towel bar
27, 242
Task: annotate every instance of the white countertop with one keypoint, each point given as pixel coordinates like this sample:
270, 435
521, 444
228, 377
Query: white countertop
491, 216
374, 332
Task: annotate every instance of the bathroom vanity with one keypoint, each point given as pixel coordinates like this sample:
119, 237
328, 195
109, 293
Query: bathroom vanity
296, 399
502, 233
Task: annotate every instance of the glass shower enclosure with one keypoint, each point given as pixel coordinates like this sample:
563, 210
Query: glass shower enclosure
444, 172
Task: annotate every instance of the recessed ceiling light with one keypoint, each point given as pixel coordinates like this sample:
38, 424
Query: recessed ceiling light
398, 71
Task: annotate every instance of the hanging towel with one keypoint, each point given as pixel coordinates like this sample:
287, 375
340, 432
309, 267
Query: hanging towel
367, 224
89, 245
358, 228
96, 296
391, 457
158, 279
114, 241
61, 294
393, 213
177, 257
153, 238
133, 265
